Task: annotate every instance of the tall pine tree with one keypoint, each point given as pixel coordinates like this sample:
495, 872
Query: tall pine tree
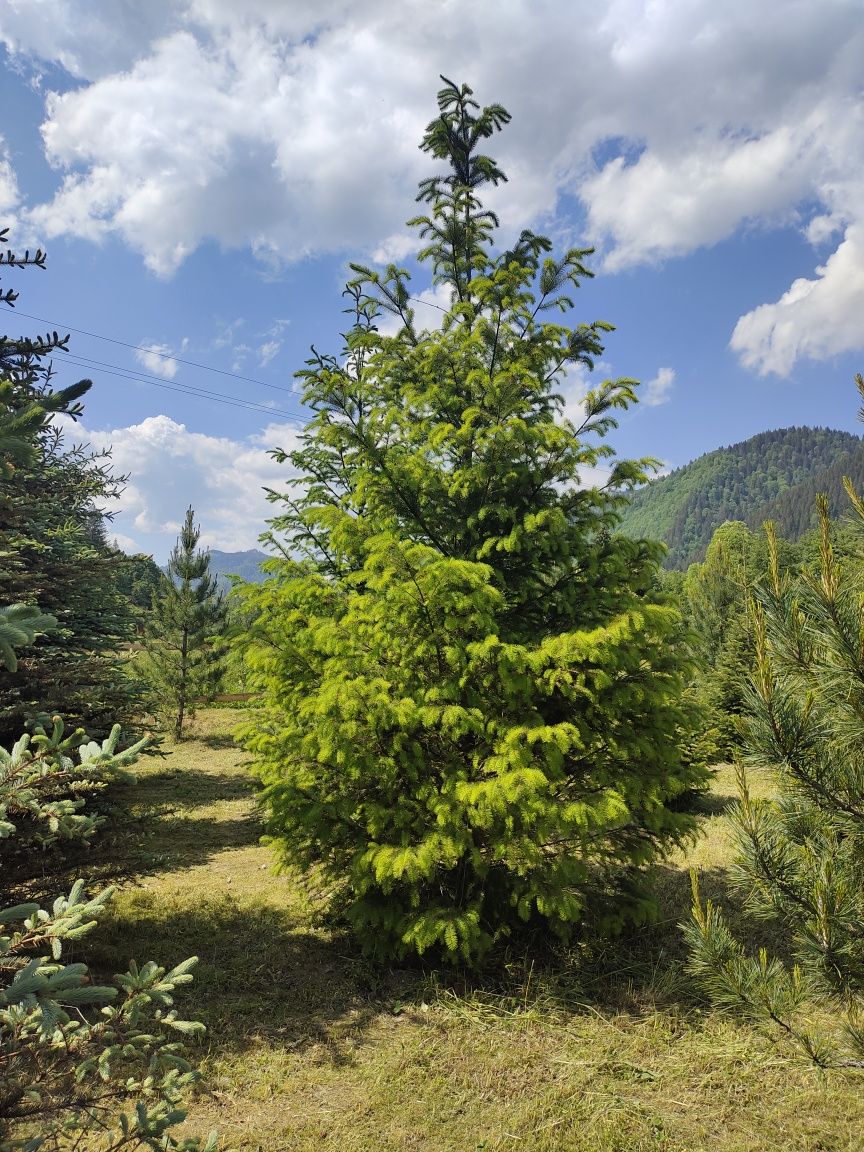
470, 680
184, 635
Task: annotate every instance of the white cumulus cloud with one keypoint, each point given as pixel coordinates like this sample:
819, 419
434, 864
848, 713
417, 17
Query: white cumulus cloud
291, 129
669, 202
171, 467
157, 358
658, 390
10, 195
817, 317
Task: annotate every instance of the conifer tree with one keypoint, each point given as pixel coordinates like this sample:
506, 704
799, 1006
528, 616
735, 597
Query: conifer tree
53, 551
715, 592
185, 646
800, 854
469, 676
75, 1053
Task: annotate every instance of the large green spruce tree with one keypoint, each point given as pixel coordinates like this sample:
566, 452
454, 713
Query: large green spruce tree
470, 681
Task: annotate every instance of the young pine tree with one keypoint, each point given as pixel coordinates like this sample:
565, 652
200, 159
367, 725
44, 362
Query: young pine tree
471, 687
800, 854
184, 636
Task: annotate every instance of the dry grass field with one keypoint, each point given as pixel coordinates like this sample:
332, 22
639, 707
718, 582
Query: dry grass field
311, 1047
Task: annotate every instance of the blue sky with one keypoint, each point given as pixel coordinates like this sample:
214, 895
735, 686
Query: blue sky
200, 172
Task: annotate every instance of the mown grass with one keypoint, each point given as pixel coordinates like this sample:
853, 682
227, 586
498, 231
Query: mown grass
309, 1046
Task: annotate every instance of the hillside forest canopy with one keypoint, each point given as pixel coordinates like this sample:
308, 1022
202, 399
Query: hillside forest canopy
774, 476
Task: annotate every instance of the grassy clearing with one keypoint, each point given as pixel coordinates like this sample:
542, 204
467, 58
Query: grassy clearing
311, 1047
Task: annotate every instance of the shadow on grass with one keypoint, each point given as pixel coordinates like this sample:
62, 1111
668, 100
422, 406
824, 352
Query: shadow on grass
161, 823
193, 842
188, 789
169, 845
267, 977
637, 973
711, 804
157, 837
179, 845
646, 968
261, 977
218, 741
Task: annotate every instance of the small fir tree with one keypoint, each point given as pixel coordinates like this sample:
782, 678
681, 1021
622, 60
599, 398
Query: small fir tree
714, 599
184, 635
800, 854
470, 679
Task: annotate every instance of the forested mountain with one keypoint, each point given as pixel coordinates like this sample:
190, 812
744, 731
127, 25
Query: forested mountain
794, 510
774, 475
246, 565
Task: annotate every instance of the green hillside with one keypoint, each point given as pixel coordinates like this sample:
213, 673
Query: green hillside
794, 511
774, 475
246, 565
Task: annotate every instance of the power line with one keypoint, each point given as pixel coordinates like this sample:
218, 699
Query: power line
198, 394
149, 378
414, 300
180, 360
55, 324
185, 389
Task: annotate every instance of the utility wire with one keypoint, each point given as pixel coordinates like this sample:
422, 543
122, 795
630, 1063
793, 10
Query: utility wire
180, 360
185, 389
54, 324
172, 386
149, 378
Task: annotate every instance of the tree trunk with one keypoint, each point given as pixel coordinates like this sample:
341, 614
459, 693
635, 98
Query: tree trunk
181, 694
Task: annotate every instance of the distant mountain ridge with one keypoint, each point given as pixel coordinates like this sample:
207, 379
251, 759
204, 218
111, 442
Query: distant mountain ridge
246, 565
771, 476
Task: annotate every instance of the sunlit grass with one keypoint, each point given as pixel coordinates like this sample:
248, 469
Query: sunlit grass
309, 1046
